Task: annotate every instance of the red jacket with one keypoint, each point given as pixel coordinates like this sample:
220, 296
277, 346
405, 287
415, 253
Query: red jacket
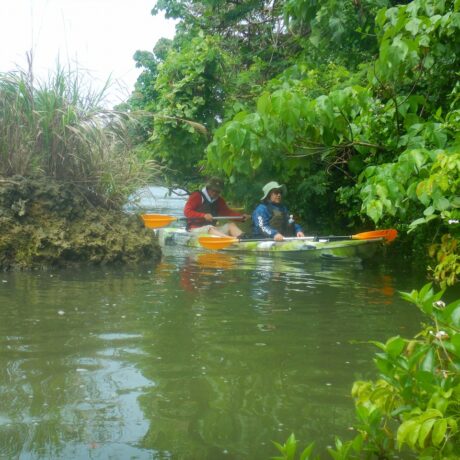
195, 202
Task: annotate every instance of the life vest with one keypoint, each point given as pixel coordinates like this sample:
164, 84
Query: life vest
280, 220
207, 207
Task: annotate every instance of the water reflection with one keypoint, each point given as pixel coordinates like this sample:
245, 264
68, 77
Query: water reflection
204, 356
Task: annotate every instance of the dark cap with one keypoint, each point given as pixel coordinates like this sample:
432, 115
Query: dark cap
215, 183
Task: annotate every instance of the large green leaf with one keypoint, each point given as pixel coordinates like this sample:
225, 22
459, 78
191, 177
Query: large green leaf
439, 431
395, 346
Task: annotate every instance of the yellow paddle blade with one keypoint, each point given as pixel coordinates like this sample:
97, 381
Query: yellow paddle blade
389, 235
157, 220
216, 242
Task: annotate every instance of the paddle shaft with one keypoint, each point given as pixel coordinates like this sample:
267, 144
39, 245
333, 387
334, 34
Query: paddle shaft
213, 218
173, 218
289, 238
302, 238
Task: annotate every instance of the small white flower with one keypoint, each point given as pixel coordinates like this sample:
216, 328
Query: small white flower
439, 304
453, 221
442, 335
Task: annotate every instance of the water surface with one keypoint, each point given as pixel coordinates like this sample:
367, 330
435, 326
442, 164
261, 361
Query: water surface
203, 356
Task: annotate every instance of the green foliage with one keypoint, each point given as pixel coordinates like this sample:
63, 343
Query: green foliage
421, 178
288, 450
306, 143
447, 258
415, 71
222, 55
414, 407
439, 192
353, 105
389, 145
343, 29
419, 45
190, 89
251, 29
145, 92
288, 124
59, 130
417, 398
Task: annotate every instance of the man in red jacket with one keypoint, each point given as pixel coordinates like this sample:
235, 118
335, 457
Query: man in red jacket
205, 204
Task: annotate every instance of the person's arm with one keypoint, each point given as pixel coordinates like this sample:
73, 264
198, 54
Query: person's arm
261, 219
298, 231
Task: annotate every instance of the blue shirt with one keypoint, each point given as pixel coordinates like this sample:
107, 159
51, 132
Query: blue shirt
261, 220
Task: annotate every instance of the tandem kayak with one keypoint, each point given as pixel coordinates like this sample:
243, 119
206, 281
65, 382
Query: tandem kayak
308, 247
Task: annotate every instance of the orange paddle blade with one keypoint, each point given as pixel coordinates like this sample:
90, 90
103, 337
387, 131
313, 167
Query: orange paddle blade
215, 260
389, 235
216, 242
157, 220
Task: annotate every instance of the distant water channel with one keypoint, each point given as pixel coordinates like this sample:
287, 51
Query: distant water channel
202, 356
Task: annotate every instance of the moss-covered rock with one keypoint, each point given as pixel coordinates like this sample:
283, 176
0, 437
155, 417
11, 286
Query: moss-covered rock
45, 223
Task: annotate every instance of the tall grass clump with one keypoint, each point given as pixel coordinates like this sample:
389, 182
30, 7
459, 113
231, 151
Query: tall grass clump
59, 129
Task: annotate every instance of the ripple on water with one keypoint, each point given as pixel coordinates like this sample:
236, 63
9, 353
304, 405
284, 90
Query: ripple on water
188, 357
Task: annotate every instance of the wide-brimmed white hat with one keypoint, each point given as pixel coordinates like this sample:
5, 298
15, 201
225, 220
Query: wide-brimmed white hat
267, 188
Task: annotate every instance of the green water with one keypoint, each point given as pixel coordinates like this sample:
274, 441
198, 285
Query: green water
199, 357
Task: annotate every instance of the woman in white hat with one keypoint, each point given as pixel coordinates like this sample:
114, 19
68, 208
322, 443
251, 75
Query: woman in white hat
271, 218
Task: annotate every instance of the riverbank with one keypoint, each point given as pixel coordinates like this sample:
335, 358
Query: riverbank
48, 224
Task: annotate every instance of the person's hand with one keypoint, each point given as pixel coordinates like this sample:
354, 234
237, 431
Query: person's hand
208, 217
300, 235
245, 217
278, 237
